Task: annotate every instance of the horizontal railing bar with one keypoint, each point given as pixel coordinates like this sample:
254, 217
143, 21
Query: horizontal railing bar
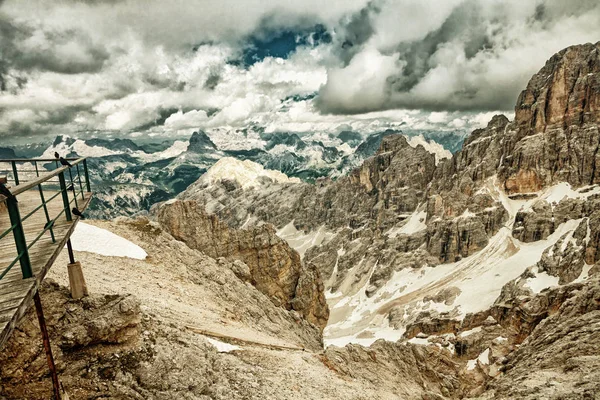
9, 230
22, 188
27, 170
40, 206
37, 159
48, 226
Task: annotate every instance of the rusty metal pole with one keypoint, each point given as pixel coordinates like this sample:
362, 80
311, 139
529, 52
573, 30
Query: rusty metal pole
70, 250
46, 338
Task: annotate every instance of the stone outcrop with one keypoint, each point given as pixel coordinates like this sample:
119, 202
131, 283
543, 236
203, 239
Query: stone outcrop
559, 359
274, 267
413, 372
93, 322
398, 175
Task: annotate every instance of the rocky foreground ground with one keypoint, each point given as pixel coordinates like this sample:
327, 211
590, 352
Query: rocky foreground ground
146, 345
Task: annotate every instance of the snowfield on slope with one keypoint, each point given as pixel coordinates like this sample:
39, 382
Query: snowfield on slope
92, 239
301, 241
356, 318
247, 173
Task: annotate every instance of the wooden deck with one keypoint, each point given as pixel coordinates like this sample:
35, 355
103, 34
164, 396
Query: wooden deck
16, 293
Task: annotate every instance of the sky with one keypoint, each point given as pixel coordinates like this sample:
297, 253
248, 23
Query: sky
150, 68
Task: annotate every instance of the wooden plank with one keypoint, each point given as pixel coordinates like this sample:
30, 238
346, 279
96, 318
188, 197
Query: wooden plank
7, 314
10, 304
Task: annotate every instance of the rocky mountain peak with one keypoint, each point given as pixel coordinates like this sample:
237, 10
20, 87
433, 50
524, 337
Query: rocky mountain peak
554, 137
565, 92
200, 142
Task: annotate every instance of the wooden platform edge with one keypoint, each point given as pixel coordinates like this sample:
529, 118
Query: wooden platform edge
37, 281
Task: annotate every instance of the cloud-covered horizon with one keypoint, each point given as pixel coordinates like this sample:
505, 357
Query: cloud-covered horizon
151, 68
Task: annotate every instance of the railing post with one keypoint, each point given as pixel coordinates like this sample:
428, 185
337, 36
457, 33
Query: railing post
46, 212
15, 173
80, 184
46, 340
73, 187
65, 195
87, 176
19, 234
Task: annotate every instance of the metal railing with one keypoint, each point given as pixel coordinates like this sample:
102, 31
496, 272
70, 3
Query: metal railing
25, 175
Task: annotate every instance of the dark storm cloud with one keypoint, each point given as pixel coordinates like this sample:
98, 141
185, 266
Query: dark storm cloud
128, 64
464, 22
356, 32
212, 81
24, 48
478, 58
66, 52
8, 32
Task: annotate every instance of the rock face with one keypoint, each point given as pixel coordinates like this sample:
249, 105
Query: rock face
274, 267
555, 133
397, 175
95, 321
560, 358
108, 347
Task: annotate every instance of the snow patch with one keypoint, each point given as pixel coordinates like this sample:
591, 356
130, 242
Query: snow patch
92, 239
79, 147
480, 278
541, 281
560, 191
178, 147
222, 347
421, 341
246, 173
585, 273
470, 332
483, 358
416, 223
301, 241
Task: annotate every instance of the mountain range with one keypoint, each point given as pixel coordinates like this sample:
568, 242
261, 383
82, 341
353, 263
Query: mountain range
129, 177
416, 274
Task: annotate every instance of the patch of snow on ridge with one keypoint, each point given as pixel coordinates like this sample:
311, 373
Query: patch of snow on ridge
470, 331
222, 347
100, 241
541, 281
79, 147
415, 223
177, 148
246, 173
558, 192
434, 148
483, 358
